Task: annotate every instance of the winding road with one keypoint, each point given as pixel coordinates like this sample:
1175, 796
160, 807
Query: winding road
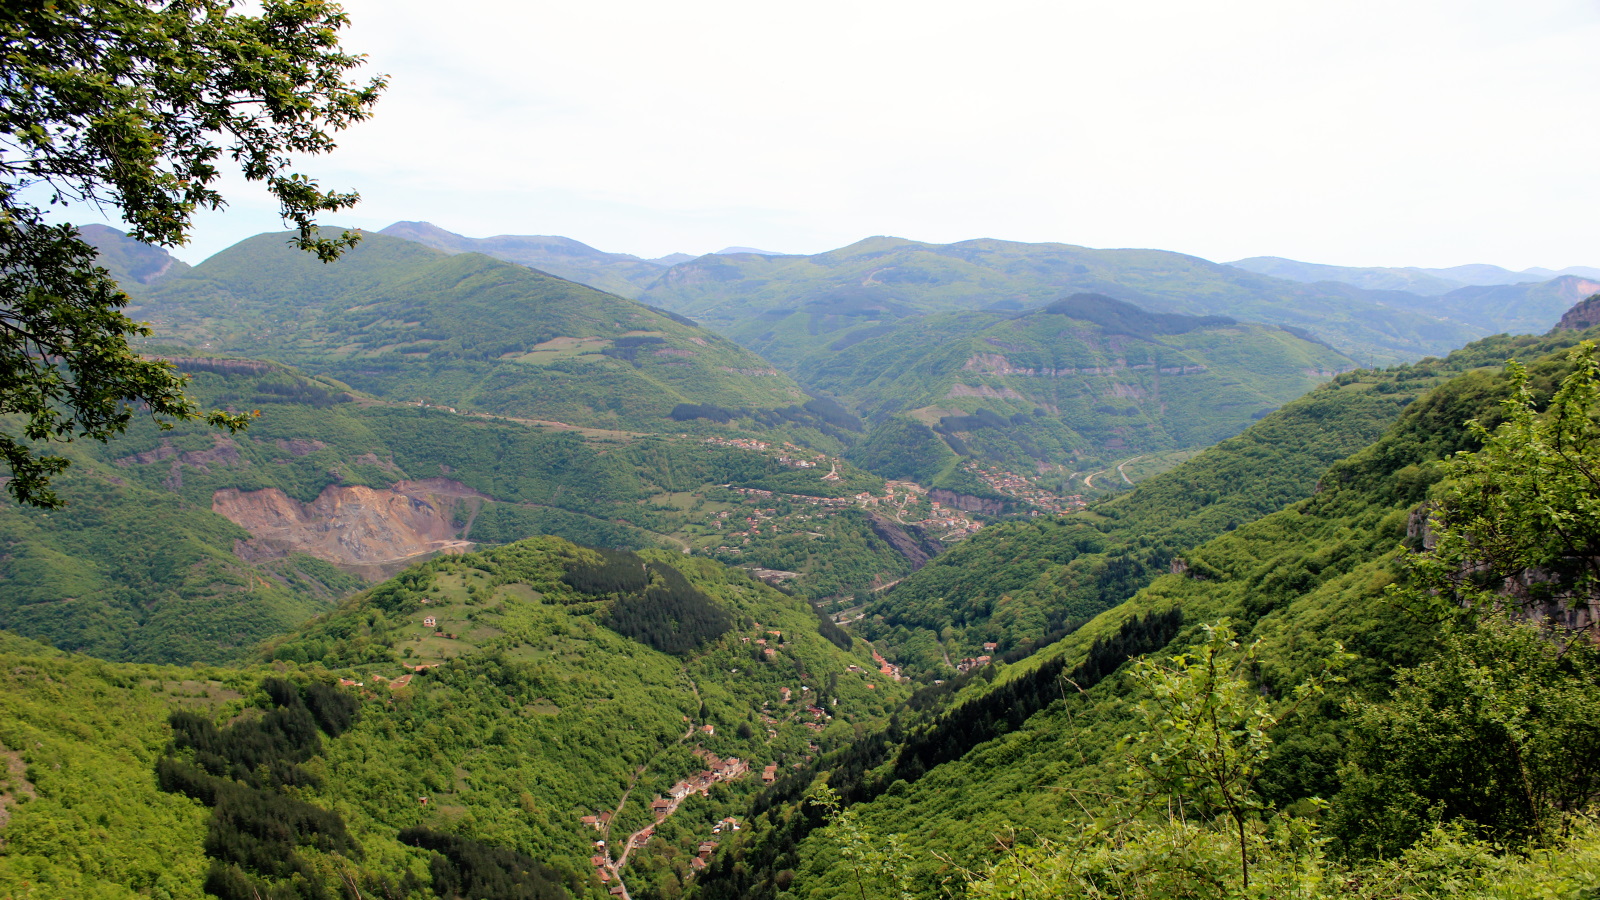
620, 862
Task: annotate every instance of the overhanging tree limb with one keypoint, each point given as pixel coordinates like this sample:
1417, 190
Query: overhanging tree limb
129, 104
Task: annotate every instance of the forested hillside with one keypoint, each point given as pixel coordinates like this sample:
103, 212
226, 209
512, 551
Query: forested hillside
1078, 385
428, 735
1320, 733
1025, 580
188, 545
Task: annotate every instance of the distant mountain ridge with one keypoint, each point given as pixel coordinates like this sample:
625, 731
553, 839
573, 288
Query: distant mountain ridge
880, 280
619, 273
130, 262
622, 274
1376, 315
1416, 279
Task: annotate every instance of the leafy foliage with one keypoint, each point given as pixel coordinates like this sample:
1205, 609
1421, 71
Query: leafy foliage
66, 369
1497, 730
1523, 510
129, 105
1207, 739
1024, 580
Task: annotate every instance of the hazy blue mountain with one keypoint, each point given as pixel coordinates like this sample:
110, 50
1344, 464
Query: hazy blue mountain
730, 251
1479, 274
1417, 280
1376, 279
1582, 271
617, 273
1527, 308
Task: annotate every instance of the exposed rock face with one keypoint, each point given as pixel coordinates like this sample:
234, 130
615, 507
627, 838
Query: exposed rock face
373, 533
224, 452
909, 542
967, 502
1528, 592
299, 447
1581, 317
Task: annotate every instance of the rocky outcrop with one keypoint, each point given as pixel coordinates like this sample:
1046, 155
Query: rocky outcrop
370, 532
1534, 593
908, 541
224, 453
1581, 317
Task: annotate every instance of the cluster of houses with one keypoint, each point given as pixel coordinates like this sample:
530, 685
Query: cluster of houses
741, 443
898, 498
978, 662
789, 455
717, 770
887, 668
952, 524
1020, 487
972, 662
702, 856
900, 494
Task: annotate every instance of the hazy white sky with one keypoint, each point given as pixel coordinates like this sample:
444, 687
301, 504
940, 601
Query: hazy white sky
1400, 132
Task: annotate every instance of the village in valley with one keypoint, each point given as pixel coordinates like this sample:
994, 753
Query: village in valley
728, 523
718, 770
1025, 490
754, 513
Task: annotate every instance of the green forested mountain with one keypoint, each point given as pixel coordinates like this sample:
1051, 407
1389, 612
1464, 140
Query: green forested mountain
450, 728
191, 545
406, 322
1431, 734
1284, 603
790, 306
872, 283
1075, 385
134, 265
1022, 581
